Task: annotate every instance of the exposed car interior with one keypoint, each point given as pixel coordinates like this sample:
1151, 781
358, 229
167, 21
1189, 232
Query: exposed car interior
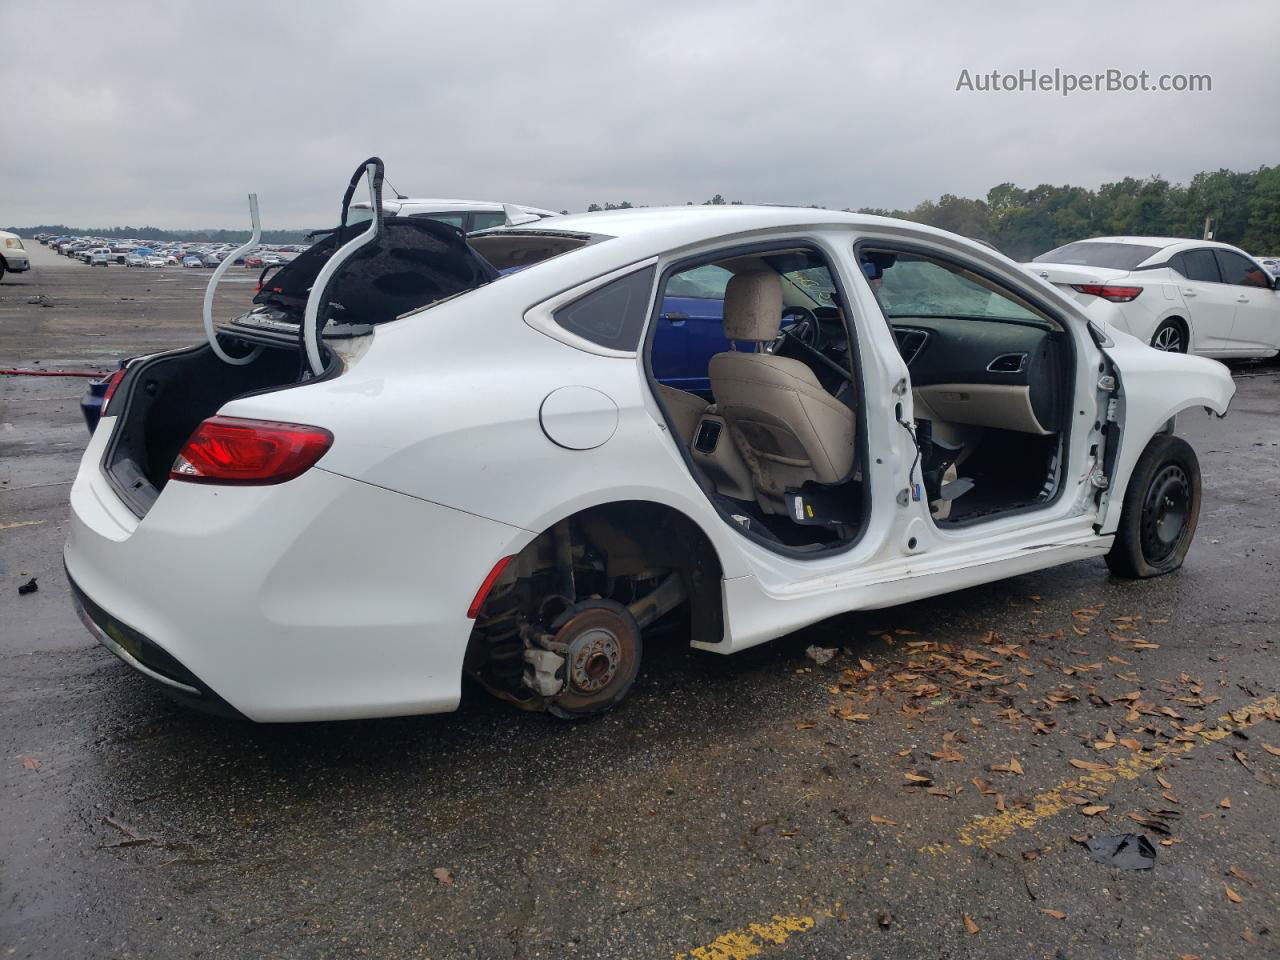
776, 445
990, 377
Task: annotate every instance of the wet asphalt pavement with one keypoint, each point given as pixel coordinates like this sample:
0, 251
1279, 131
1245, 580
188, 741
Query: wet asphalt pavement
725, 811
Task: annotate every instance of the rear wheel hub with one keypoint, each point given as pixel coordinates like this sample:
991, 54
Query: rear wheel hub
601, 644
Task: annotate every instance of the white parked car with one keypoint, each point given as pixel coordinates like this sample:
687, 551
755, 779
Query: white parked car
486, 474
99, 256
466, 215
1184, 296
13, 255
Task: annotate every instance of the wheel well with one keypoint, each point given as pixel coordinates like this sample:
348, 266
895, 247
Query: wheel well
645, 558
642, 540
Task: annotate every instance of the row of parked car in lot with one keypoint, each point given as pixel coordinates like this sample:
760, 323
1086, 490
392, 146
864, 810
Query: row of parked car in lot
99, 252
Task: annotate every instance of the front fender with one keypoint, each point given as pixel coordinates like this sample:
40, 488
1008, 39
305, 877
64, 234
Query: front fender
1154, 387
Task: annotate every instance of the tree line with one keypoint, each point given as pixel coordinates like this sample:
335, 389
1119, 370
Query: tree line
1018, 221
1024, 222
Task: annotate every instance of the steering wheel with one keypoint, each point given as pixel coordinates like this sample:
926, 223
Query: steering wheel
805, 329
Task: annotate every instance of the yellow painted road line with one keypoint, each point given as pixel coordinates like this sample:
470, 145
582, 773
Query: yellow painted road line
985, 831
751, 940
22, 523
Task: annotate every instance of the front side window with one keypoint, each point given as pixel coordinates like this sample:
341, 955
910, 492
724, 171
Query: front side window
910, 285
612, 316
1240, 270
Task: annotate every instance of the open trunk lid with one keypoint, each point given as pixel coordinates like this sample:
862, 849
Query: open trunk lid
298, 331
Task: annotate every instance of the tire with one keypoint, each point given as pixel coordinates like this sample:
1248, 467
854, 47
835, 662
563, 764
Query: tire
1, 269
1160, 512
1171, 337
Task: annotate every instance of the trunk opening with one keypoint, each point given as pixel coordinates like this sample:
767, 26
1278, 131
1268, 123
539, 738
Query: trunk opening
164, 398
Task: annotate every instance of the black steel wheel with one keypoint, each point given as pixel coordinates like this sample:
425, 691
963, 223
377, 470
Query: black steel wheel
1160, 512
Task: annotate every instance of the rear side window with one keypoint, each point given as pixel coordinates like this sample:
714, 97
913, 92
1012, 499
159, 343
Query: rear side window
483, 221
1239, 270
612, 316
1094, 253
1198, 265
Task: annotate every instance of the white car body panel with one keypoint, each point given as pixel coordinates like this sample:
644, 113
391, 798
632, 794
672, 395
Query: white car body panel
343, 593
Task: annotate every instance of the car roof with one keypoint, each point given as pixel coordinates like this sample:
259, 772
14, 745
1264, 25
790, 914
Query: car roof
667, 227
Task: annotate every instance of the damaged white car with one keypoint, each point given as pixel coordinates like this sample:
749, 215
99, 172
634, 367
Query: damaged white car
424, 454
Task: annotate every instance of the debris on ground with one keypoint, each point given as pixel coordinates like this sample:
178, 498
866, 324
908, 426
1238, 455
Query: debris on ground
1127, 851
29, 587
820, 655
443, 875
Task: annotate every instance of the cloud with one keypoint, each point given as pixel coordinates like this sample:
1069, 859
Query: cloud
134, 112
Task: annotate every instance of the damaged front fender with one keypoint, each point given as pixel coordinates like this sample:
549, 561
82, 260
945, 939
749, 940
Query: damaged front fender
1153, 388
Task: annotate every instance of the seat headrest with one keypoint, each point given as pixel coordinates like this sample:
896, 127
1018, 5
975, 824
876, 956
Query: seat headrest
753, 305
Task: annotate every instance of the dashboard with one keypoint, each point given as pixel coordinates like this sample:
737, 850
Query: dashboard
1013, 367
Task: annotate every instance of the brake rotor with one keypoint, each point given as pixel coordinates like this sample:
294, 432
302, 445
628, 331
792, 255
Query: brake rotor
602, 657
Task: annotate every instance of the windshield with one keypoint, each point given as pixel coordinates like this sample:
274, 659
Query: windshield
1094, 253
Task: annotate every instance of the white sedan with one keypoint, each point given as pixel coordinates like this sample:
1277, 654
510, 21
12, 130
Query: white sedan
1182, 296
480, 470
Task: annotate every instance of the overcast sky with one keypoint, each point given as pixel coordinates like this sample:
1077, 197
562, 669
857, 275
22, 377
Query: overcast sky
168, 113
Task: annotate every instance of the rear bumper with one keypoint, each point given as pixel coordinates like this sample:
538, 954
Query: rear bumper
323, 598
147, 657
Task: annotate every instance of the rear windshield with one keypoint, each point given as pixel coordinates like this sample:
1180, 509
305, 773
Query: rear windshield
1094, 253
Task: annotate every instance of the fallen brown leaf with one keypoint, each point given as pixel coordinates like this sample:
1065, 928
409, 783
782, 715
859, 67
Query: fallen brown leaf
1056, 914
867, 665
1225, 803
1274, 751
443, 874
1089, 765
1241, 875
969, 925
1231, 894
30, 762
1095, 809
806, 725
1011, 767
1163, 782
883, 821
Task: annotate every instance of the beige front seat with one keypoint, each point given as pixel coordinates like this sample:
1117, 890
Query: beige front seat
789, 429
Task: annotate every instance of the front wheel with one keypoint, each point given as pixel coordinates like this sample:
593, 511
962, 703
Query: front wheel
1160, 512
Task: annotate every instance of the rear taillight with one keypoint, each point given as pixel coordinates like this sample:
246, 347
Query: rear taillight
1108, 291
231, 450
112, 382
